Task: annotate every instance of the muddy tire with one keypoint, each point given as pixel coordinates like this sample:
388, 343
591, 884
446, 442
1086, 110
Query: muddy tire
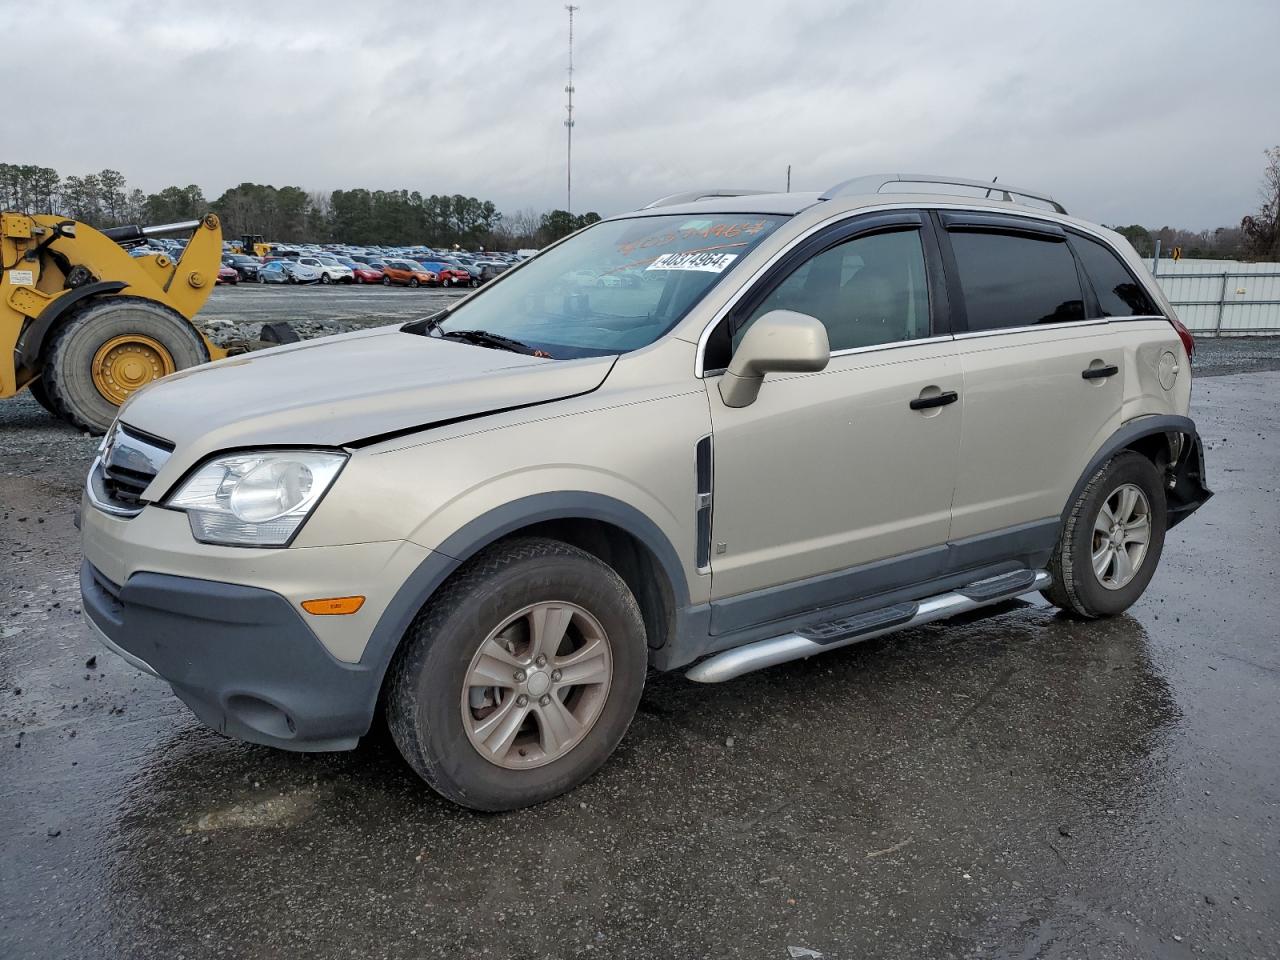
76, 353
519, 678
1111, 542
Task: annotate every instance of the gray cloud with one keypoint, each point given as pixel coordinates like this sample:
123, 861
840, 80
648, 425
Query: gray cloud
1129, 112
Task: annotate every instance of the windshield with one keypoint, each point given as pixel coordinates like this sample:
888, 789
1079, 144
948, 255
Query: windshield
615, 287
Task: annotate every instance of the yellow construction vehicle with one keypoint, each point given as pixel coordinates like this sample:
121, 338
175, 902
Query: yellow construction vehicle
251, 244
83, 324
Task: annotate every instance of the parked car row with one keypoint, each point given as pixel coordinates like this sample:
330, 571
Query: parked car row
411, 269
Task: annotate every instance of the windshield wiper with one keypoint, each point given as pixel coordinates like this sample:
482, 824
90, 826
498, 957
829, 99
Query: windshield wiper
483, 338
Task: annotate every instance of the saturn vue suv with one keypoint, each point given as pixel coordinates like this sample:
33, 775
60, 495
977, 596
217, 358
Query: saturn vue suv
795, 422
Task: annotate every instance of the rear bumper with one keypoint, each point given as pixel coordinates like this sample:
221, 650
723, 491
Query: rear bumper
241, 658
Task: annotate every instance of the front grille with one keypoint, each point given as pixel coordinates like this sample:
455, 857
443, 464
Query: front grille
129, 462
124, 485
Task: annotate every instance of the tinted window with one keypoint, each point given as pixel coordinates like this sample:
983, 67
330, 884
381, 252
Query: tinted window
1119, 295
866, 291
1016, 281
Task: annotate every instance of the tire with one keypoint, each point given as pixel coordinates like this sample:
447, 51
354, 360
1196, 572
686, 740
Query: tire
427, 682
413, 282
36, 387
325, 278
69, 357
261, 278
446, 282
474, 284
1077, 587
386, 281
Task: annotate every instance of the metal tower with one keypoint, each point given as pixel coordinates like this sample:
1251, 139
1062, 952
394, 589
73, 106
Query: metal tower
569, 119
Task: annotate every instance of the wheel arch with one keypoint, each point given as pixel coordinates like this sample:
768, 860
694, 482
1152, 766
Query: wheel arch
1182, 462
616, 532
38, 332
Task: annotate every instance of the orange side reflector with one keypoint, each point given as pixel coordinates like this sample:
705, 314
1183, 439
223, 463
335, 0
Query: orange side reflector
333, 606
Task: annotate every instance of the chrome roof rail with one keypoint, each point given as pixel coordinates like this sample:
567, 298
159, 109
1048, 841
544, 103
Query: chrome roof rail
875, 183
692, 196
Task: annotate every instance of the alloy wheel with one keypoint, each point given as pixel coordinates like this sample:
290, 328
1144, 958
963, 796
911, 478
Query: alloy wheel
1121, 535
537, 685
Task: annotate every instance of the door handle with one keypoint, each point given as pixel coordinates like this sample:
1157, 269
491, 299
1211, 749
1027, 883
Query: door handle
1100, 373
941, 400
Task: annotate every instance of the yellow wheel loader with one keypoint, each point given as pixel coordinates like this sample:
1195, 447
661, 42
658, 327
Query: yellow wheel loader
83, 324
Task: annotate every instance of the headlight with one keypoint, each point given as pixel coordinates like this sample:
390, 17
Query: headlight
255, 499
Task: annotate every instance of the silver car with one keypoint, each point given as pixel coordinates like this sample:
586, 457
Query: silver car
801, 421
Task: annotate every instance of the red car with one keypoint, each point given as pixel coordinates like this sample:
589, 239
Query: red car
364, 273
449, 274
227, 274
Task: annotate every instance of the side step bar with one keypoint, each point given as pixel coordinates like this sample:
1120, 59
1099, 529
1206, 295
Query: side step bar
864, 626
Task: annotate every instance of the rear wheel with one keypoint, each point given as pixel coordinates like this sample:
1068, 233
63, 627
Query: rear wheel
110, 347
1111, 542
386, 281
520, 677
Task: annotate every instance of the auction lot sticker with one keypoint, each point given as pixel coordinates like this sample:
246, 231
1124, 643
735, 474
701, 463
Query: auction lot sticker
706, 262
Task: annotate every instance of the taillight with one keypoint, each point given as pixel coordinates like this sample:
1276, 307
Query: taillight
1188, 341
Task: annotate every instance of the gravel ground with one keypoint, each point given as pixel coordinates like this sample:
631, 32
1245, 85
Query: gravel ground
1017, 786
238, 311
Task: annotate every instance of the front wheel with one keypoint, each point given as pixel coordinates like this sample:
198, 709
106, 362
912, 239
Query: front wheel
324, 278
386, 281
1112, 539
414, 283
518, 680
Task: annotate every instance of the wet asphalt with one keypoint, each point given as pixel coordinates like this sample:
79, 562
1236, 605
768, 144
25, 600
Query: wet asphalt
1016, 786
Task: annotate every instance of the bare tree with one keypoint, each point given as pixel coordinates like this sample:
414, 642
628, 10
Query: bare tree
1262, 229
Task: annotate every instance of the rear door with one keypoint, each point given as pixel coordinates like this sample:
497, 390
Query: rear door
1043, 379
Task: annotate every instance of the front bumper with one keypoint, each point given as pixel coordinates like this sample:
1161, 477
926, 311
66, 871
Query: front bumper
224, 625
240, 657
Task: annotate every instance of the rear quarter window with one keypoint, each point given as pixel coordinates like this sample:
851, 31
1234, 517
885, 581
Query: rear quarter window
1119, 293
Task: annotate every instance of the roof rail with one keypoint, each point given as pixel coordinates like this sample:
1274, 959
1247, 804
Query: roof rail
691, 196
874, 183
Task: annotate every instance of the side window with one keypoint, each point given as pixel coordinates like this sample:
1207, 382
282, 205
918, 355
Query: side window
1013, 280
1119, 294
866, 291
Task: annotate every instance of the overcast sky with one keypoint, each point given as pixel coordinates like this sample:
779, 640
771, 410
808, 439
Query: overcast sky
1153, 113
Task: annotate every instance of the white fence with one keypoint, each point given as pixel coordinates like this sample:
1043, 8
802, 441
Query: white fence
1225, 297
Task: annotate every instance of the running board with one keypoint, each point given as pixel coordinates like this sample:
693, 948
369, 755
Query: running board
864, 626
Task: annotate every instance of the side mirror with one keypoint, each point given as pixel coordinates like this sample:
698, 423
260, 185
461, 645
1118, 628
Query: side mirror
782, 341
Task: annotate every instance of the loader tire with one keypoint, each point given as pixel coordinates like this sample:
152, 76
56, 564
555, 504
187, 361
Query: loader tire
109, 347
36, 387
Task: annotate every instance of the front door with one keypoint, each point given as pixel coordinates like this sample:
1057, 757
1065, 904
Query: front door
827, 474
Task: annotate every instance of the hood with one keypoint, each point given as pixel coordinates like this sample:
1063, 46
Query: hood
347, 390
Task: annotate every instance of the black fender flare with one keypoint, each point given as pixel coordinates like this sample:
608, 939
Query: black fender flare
1188, 492
27, 351
490, 527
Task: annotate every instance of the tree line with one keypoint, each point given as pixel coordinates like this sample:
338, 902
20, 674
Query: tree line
288, 214
402, 217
